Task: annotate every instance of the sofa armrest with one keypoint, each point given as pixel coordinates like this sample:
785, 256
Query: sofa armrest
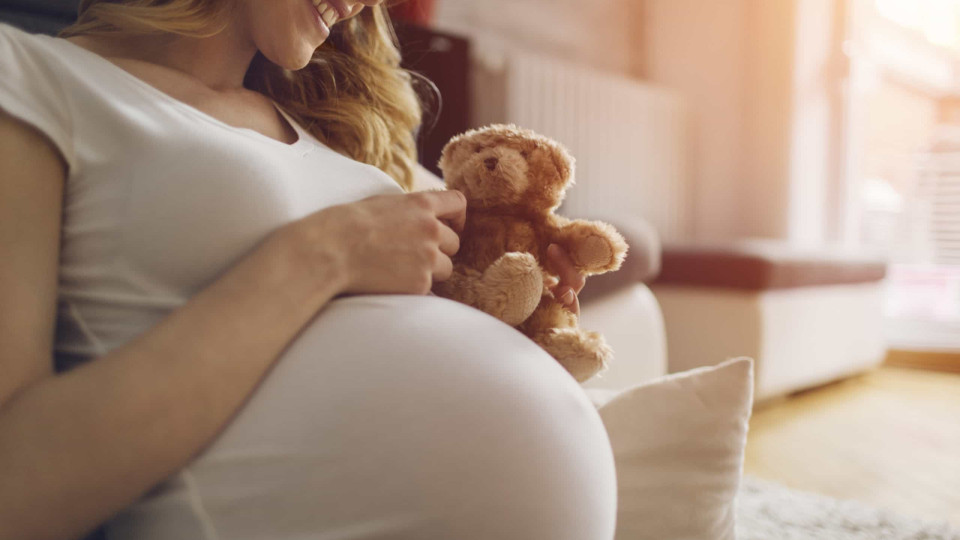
632, 324
641, 265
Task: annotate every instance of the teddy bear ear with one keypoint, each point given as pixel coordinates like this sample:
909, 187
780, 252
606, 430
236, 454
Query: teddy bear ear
450, 156
563, 162
449, 149
561, 158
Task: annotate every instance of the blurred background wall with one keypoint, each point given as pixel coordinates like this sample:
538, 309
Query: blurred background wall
732, 62
813, 122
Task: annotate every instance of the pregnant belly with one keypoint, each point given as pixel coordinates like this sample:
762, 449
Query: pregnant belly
379, 407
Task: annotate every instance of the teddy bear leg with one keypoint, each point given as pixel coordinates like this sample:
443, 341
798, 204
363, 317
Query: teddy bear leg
581, 353
555, 328
510, 288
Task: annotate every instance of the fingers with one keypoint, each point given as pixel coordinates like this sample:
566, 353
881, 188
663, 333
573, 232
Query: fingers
565, 295
443, 268
568, 298
449, 241
575, 305
563, 265
449, 205
571, 281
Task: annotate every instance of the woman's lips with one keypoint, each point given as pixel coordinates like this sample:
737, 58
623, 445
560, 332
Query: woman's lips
324, 14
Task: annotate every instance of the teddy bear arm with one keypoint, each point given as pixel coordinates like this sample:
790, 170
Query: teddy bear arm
595, 247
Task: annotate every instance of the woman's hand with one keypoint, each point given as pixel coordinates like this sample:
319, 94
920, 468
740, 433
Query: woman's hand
386, 244
571, 282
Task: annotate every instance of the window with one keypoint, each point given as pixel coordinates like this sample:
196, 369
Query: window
903, 160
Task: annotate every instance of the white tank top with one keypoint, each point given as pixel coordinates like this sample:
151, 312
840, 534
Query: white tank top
160, 197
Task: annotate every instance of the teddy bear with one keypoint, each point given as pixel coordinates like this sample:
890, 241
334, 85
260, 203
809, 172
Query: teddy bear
514, 179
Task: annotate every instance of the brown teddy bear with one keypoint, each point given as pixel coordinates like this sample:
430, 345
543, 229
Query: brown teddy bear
513, 180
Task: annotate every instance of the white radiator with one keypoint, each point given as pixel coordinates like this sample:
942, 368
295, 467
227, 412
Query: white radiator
628, 138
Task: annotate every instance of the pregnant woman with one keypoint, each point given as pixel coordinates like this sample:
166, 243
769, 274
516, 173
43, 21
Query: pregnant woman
214, 319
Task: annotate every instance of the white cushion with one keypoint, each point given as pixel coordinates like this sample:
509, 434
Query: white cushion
678, 446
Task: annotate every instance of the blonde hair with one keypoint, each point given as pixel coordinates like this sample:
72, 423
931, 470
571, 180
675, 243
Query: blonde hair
353, 95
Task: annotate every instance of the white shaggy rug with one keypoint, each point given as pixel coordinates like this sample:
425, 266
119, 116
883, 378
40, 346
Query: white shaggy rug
767, 511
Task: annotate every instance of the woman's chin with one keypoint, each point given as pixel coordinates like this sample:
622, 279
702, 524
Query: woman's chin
294, 60
299, 62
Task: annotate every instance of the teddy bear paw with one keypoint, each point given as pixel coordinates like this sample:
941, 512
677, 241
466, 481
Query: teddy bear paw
594, 252
583, 354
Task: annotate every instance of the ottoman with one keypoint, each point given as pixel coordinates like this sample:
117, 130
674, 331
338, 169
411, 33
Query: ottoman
806, 316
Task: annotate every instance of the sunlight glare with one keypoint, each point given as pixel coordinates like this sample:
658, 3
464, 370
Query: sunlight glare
937, 20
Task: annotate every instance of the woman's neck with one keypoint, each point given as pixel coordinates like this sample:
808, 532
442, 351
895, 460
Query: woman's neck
219, 62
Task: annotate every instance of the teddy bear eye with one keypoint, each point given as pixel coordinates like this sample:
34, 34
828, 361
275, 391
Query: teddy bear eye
524, 154
477, 149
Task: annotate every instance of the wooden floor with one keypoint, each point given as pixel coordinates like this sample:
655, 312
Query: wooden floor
890, 438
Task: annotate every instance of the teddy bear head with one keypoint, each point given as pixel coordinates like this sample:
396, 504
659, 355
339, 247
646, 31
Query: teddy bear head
506, 166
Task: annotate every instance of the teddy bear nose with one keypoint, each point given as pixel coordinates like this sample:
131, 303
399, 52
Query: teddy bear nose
491, 163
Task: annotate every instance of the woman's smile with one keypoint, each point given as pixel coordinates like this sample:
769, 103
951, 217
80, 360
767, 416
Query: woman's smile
331, 11
324, 15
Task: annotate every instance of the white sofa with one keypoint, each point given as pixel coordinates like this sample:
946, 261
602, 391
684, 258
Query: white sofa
632, 323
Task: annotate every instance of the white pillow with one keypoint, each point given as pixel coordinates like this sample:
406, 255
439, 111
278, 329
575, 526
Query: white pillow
678, 447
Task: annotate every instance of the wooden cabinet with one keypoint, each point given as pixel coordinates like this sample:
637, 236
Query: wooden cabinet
443, 59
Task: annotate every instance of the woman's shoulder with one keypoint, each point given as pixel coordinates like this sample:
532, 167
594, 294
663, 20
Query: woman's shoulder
29, 59
8, 32
29, 62
32, 88
17, 45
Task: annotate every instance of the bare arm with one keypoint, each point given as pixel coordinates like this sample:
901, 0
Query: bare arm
77, 447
